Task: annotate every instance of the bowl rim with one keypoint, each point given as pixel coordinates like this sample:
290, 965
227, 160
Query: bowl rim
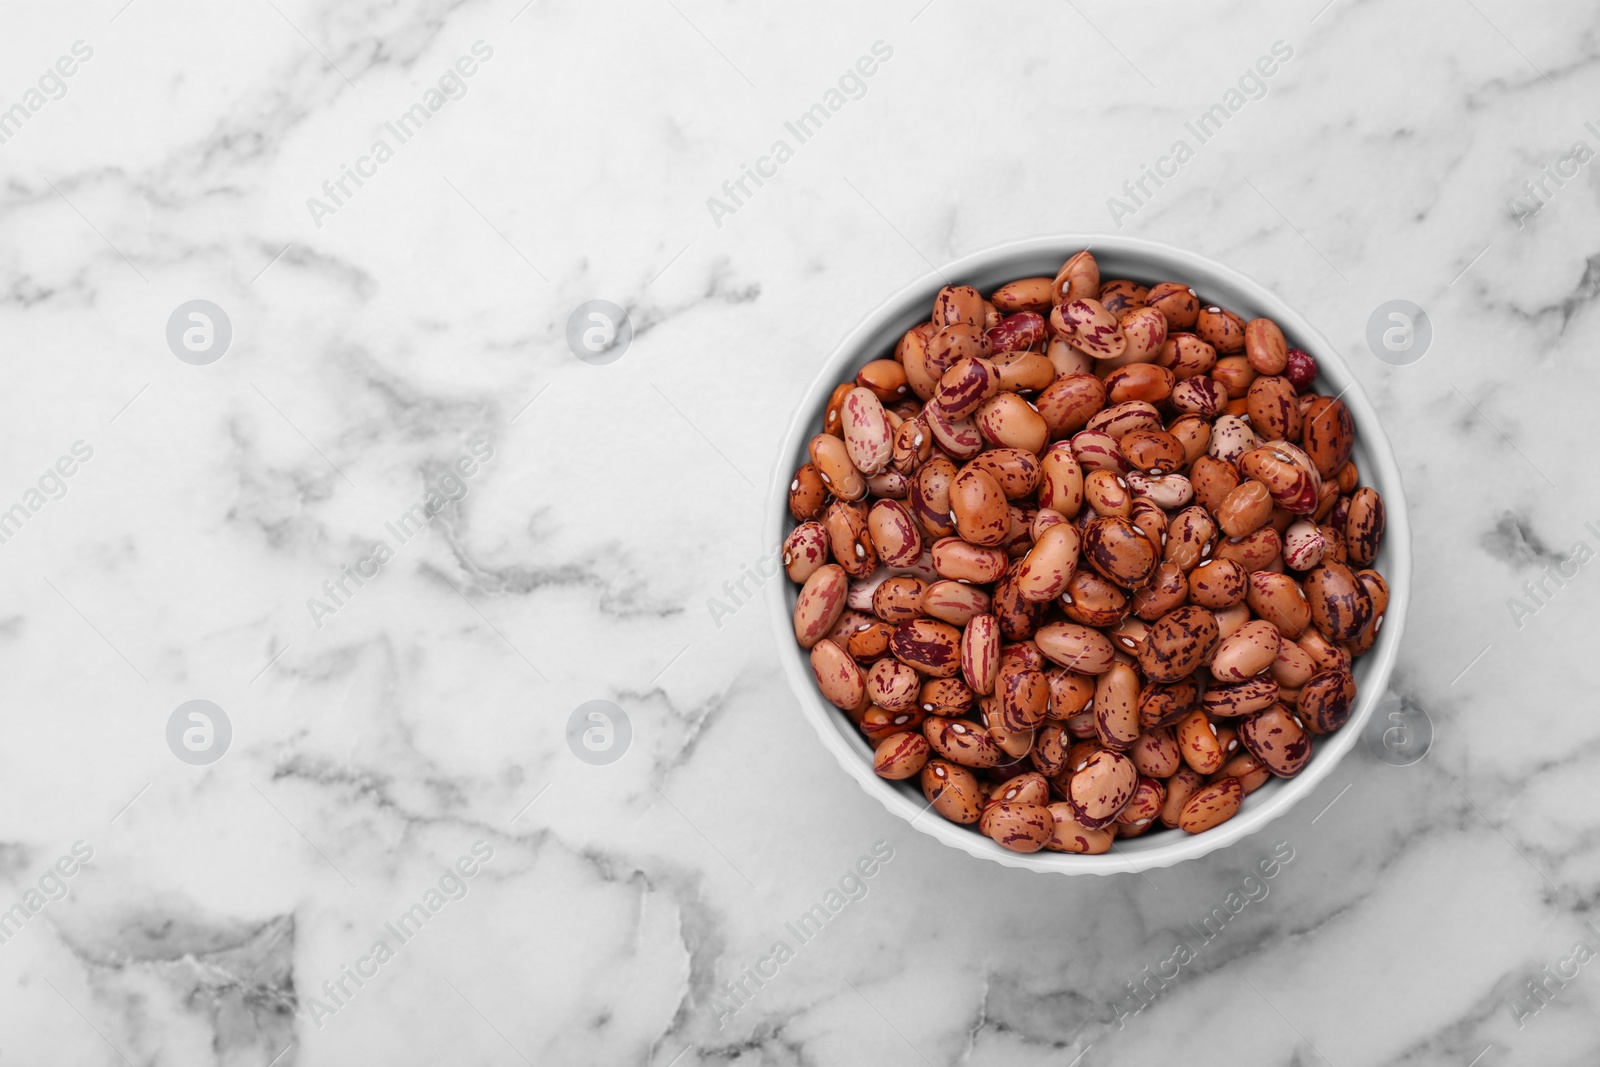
1382, 471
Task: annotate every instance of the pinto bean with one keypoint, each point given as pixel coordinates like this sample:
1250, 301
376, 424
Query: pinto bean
900, 756
1179, 643
1211, 806
1276, 738
838, 675
952, 791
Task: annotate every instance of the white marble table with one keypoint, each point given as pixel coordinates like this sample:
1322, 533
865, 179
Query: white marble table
389, 733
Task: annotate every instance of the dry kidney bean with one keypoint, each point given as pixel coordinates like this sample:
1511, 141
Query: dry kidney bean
952, 790
1142, 588
1211, 806
900, 755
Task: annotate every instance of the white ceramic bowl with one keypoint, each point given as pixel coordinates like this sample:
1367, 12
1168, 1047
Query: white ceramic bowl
1146, 262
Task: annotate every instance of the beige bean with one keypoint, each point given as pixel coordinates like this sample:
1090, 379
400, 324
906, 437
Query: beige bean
1183, 784
1009, 421
1119, 550
1049, 565
1088, 327
1119, 420
913, 445
959, 438
962, 742
900, 756
898, 598
865, 426
930, 646
1218, 583
892, 685
1232, 437
1327, 700
1097, 450
1078, 648
1198, 744
808, 495
1169, 491
929, 498
1221, 329
894, 533
1149, 796
850, 539
1211, 806
1155, 753
1276, 738
1238, 699
980, 653
832, 462
952, 791
1093, 601
1015, 471
805, 550
1061, 480
1186, 356
1101, 788
820, 603
1245, 510
962, 561
1019, 827
1068, 403
966, 385
1303, 546
1116, 707
958, 303
1294, 666
1078, 278
1022, 697
1025, 294
1274, 408
1024, 371
1363, 526
1340, 604
1200, 395
955, 602
950, 697
1265, 347
979, 507
1070, 835
1254, 551
1144, 331
838, 675
1178, 644
1246, 652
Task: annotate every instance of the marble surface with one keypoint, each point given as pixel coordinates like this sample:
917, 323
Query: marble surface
600, 538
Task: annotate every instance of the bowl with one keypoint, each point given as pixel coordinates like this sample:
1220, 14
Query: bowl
1146, 262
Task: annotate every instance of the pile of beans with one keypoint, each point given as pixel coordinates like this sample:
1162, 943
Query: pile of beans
1088, 557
